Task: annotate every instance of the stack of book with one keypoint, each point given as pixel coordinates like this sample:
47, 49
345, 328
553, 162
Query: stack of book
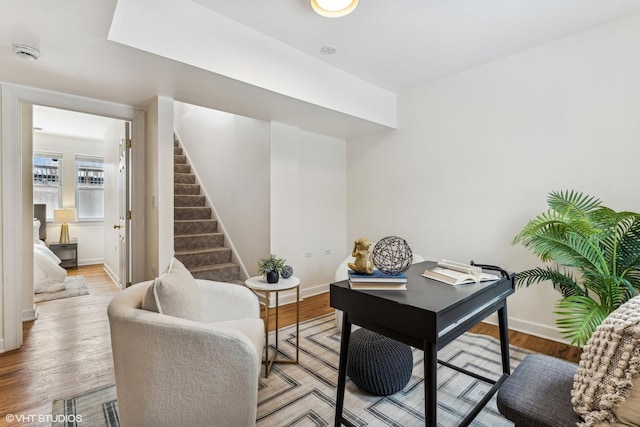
377, 281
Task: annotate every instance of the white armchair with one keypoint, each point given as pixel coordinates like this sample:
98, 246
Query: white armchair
172, 371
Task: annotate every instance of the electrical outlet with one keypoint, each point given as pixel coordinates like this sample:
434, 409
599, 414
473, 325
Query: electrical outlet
308, 254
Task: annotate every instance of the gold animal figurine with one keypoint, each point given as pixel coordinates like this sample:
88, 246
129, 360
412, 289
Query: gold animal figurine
362, 263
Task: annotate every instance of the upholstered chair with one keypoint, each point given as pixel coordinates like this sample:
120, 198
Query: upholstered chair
602, 390
198, 369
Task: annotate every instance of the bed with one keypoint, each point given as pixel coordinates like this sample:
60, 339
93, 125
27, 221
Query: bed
48, 276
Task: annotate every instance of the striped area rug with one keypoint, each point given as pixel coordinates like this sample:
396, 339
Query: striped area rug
304, 394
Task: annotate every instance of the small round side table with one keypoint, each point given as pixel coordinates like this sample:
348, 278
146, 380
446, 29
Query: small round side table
259, 284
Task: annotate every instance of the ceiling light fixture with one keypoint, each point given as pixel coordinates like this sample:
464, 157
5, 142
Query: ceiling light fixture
333, 8
26, 51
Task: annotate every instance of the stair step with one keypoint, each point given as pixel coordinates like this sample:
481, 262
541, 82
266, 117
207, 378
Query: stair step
191, 242
178, 168
199, 258
197, 243
184, 189
226, 272
191, 227
184, 178
183, 201
195, 212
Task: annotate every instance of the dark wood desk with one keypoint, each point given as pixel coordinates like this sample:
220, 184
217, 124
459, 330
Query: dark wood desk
428, 315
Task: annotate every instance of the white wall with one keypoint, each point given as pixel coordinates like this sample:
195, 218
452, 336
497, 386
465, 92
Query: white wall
230, 156
159, 186
278, 189
2, 287
90, 234
308, 204
476, 154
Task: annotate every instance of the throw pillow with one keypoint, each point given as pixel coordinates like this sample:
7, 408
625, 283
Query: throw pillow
603, 388
174, 293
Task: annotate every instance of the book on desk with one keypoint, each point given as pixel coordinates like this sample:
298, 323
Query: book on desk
455, 273
377, 281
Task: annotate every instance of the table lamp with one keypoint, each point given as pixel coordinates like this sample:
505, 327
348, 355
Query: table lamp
64, 216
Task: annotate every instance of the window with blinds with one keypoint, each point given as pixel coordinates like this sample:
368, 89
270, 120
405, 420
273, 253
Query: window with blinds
90, 188
47, 181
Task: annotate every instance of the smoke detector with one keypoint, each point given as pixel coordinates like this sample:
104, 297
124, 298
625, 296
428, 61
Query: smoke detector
26, 51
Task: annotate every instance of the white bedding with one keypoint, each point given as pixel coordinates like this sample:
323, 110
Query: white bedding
48, 276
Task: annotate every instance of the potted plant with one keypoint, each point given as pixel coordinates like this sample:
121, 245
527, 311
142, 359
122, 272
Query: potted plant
595, 256
271, 267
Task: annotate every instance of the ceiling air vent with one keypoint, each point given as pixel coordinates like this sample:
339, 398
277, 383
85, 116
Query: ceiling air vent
26, 51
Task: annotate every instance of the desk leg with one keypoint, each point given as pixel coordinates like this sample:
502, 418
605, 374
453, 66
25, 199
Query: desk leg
504, 339
342, 367
430, 383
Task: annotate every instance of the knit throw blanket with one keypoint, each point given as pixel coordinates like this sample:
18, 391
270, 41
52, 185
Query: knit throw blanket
609, 362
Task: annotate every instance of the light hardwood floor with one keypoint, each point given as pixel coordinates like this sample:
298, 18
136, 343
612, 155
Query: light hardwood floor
67, 350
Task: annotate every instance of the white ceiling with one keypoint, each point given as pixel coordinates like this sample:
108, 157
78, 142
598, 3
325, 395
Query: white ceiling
403, 44
55, 121
396, 45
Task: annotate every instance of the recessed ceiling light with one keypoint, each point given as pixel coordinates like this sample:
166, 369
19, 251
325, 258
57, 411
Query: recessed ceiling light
327, 50
26, 51
333, 8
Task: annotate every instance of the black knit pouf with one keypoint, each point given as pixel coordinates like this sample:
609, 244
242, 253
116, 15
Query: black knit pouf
378, 364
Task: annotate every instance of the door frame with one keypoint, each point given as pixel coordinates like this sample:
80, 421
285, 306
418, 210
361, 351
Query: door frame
15, 258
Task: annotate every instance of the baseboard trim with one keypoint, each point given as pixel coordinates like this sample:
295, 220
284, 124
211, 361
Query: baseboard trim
91, 261
530, 328
114, 277
30, 314
289, 297
1, 345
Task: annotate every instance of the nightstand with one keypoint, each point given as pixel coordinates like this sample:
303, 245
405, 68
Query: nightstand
67, 252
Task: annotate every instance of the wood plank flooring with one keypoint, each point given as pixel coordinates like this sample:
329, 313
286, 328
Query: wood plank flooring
67, 350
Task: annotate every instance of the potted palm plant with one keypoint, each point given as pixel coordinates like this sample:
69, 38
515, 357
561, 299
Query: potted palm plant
271, 267
594, 259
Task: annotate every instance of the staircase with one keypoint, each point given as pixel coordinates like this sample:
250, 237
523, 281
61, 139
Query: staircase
197, 243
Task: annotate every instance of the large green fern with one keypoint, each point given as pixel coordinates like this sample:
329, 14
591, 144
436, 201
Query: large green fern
594, 257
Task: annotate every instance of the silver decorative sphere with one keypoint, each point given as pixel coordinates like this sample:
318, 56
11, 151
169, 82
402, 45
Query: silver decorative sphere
287, 272
392, 255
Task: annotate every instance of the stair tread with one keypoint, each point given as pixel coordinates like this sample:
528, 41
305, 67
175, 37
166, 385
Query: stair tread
197, 235
212, 267
202, 251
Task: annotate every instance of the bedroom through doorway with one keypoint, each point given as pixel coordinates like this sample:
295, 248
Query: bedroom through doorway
80, 195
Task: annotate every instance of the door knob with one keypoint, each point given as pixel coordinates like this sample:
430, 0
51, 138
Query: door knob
117, 226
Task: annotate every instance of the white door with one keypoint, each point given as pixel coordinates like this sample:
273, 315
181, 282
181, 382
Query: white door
124, 215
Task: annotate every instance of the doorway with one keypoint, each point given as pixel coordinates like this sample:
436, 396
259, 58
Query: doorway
80, 163
17, 202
